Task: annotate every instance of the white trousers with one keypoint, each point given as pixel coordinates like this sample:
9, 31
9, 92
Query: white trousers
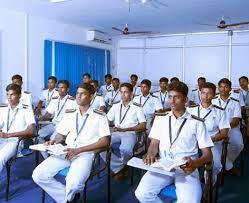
7, 151
80, 169
216, 151
234, 148
188, 187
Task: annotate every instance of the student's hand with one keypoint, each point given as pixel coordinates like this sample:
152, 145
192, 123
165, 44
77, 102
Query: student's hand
50, 142
37, 112
149, 159
190, 166
4, 135
117, 129
71, 153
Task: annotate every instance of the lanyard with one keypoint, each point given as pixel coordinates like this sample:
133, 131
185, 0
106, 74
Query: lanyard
59, 110
226, 104
205, 115
83, 124
93, 99
107, 87
144, 102
113, 98
163, 100
199, 95
14, 117
178, 132
49, 98
245, 97
120, 114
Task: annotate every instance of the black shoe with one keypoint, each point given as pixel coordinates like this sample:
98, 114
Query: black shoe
76, 198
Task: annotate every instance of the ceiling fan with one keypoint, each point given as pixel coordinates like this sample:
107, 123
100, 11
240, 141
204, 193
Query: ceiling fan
223, 25
125, 31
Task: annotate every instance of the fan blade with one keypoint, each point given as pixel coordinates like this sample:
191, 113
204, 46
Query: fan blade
237, 24
117, 29
160, 3
141, 32
206, 24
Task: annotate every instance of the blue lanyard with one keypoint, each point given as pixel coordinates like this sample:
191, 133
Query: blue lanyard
205, 115
49, 98
120, 114
14, 117
61, 107
144, 102
83, 124
163, 100
226, 104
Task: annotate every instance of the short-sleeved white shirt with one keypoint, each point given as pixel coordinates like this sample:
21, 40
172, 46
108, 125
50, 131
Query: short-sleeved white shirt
113, 97
150, 104
237, 94
97, 101
26, 99
245, 96
136, 91
57, 107
192, 136
46, 96
19, 119
231, 107
96, 127
195, 96
126, 117
105, 88
163, 98
215, 119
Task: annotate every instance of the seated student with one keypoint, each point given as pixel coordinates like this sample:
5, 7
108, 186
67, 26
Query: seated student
136, 88
232, 108
108, 85
16, 121
98, 101
162, 94
56, 110
216, 122
47, 95
195, 96
84, 130
128, 119
113, 96
176, 135
149, 102
86, 78
26, 97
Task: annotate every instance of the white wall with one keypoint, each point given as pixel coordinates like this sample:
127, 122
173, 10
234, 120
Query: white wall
187, 56
14, 47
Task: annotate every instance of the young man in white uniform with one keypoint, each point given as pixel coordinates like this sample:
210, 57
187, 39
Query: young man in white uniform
216, 122
233, 111
98, 101
195, 97
114, 96
176, 135
84, 130
136, 88
108, 85
16, 121
128, 119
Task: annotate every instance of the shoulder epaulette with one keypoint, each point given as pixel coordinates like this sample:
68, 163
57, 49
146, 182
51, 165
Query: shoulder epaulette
193, 105
137, 104
197, 118
236, 91
153, 95
194, 90
56, 97
71, 98
70, 110
99, 94
216, 97
156, 91
99, 112
25, 106
234, 99
44, 88
3, 105
161, 113
26, 92
115, 102
218, 107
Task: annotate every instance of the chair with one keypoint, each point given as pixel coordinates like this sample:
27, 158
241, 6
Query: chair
95, 171
24, 153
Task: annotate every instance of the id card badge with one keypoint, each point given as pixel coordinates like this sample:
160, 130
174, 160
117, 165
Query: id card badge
168, 155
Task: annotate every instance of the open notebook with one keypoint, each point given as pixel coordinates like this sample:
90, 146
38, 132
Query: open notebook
56, 149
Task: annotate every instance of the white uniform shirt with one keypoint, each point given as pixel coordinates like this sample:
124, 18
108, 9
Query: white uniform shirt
237, 94
47, 95
215, 119
113, 97
105, 88
26, 99
57, 107
245, 95
94, 126
136, 91
192, 136
15, 120
126, 117
150, 104
164, 98
231, 107
195, 96
97, 101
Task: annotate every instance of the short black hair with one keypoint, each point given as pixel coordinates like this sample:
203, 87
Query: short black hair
179, 87
146, 82
88, 87
108, 76
128, 85
86, 74
66, 82
174, 79
116, 79
14, 87
210, 85
52, 78
134, 76
201, 78
17, 77
164, 79
225, 81
243, 78
96, 82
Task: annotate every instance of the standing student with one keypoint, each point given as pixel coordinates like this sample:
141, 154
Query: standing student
176, 135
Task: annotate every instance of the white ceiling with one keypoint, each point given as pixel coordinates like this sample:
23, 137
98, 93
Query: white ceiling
180, 16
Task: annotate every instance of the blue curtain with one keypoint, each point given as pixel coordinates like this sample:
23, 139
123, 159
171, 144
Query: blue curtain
108, 61
47, 60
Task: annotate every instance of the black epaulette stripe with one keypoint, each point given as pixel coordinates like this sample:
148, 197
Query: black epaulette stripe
161, 114
26, 92
137, 104
99, 94
55, 97
234, 99
98, 112
70, 110
153, 95
218, 107
197, 118
194, 90
216, 97
3, 105
236, 91
71, 98
192, 106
